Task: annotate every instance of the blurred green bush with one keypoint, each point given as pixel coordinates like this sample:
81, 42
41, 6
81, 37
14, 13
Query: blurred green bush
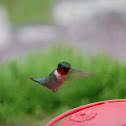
21, 11
21, 98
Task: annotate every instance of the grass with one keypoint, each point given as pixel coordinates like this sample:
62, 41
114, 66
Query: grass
22, 100
21, 11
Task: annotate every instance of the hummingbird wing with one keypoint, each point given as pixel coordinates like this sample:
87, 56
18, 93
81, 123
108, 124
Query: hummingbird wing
41, 81
80, 74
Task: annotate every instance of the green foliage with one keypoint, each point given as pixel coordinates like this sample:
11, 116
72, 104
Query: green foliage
28, 10
23, 99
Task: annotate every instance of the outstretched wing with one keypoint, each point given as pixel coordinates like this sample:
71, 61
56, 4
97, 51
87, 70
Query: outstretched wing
75, 74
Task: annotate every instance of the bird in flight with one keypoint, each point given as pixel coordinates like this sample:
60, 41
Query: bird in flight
56, 78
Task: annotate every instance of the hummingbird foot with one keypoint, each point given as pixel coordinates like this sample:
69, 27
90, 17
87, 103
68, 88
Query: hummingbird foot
55, 90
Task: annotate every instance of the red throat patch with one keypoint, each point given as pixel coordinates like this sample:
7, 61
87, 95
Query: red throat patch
62, 72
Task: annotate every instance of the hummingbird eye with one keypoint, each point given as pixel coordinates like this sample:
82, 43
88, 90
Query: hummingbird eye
59, 65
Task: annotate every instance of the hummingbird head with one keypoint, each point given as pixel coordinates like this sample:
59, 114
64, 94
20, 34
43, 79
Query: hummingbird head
64, 67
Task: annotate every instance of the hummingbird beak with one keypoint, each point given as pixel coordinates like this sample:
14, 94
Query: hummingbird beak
75, 69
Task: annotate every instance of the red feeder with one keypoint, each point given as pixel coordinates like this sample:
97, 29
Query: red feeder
104, 113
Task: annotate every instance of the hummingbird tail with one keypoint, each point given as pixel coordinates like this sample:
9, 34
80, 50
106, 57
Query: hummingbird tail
33, 79
39, 80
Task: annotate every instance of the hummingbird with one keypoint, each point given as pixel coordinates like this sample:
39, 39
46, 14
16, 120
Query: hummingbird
56, 78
